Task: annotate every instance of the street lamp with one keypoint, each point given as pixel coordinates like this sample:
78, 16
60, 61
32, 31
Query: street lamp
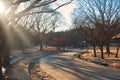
84, 41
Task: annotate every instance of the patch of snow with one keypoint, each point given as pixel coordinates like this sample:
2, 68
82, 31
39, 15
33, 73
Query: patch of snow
15, 60
3, 70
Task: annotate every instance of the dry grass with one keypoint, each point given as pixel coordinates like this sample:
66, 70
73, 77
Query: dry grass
110, 60
112, 50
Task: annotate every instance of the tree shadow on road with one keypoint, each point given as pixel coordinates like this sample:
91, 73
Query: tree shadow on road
82, 70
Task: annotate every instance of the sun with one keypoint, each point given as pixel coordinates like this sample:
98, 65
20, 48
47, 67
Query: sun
2, 7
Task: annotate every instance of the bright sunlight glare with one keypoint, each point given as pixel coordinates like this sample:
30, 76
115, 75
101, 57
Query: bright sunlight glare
2, 7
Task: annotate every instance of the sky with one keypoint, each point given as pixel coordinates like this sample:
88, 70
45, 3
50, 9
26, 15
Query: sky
66, 12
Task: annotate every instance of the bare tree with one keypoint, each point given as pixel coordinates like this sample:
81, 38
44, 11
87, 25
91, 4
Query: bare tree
44, 23
13, 13
104, 15
40, 23
25, 22
2, 45
116, 39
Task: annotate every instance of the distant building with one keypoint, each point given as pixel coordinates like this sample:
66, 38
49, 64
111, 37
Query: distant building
116, 36
116, 39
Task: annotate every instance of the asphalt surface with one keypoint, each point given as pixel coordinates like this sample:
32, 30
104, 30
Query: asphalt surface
65, 67
23, 65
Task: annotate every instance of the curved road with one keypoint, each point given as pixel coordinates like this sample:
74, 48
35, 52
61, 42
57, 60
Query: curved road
65, 67
23, 66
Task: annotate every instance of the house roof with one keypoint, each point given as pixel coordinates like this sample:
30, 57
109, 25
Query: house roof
116, 36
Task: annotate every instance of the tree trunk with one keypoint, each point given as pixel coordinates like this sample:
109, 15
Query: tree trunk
1, 54
6, 56
116, 56
1, 76
46, 45
2, 45
58, 48
23, 47
94, 50
108, 49
102, 55
41, 46
23, 50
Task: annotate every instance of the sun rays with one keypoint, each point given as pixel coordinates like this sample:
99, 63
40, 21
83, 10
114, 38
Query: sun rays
2, 7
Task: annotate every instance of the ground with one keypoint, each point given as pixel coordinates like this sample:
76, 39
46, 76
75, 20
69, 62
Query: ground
66, 67
41, 65
110, 60
26, 68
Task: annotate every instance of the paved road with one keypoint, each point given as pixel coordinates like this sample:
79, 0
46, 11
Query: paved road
65, 67
24, 64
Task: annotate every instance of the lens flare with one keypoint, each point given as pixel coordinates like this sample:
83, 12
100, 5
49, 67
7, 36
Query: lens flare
2, 7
